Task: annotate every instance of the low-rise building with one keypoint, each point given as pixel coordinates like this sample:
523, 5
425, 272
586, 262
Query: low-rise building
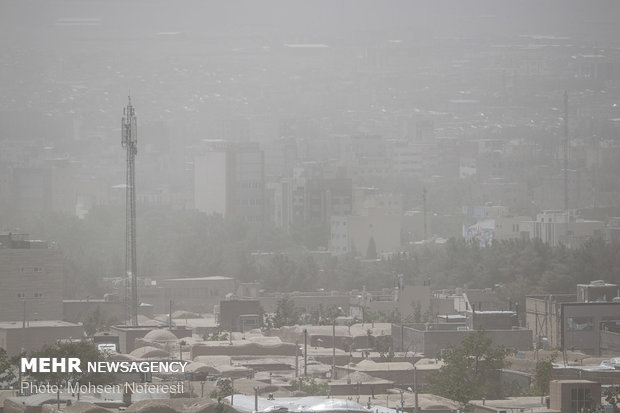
18, 336
569, 321
566, 396
375, 233
240, 315
200, 294
556, 227
431, 339
31, 279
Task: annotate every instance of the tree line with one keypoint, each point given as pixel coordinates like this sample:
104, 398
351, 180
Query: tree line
189, 243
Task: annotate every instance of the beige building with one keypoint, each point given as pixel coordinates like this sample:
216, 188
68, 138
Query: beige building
574, 396
556, 227
564, 321
542, 316
566, 396
16, 336
229, 180
489, 223
353, 233
31, 279
200, 294
407, 300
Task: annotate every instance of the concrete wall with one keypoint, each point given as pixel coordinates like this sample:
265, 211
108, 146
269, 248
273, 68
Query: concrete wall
610, 343
604, 377
542, 316
210, 187
442, 305
75, 311
32, 282
561, 393
520, 379
309, 303
232, 310
411, 295
253, 349
344, 340
12, 407
431, 342
401, 377
197, 294
38, 334
492, 320
581, 324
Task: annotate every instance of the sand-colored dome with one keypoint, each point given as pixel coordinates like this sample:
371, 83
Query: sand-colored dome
148, 352
119, 357
160, 335
83, 407
185, 314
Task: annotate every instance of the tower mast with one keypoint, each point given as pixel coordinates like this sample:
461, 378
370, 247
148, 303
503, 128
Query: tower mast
129, 141
566, 144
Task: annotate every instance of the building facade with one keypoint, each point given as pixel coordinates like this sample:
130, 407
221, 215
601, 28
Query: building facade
230, 180
31, 279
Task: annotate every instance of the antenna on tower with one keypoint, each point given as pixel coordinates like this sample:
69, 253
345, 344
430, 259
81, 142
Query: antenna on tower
129, 141
565, 151
424, 212
566, 143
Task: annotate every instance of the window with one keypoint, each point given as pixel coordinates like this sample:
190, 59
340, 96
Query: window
38, 295
579, 323
38, 269
21, 295
580, 400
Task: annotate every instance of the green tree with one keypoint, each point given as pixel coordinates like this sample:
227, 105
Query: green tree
223, 388
543, 375
83, 350
311, 386
417, 311
217, 335
471, 370
371, 252
7, 369
95, 320
612, 396
286, 313
219, 408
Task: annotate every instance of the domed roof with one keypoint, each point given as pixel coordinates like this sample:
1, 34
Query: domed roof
120, 357
197, 367
148, 352
83, 407
160, 335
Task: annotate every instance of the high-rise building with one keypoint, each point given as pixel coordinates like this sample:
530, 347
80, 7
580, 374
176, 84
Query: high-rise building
229, 179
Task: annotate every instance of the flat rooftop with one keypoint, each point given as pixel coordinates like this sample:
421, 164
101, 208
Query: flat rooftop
6, 325
532, 404
214, 278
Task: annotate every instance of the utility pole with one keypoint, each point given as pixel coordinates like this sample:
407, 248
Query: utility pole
305, 352
170, 316
296, 358
415, 389
424, 212
333, 376
565, 151
566, 142
256, 388
129, 141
